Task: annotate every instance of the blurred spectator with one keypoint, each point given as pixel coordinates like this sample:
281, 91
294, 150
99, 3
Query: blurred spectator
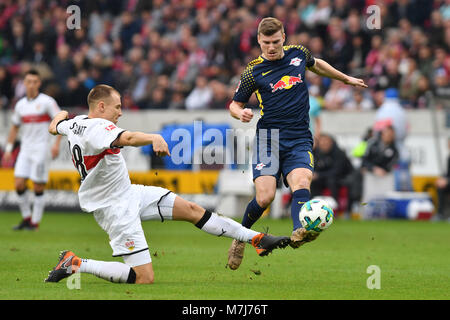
220, 99
337, 96
359, 101
409, 83
331, 167
158, 99
18, 39
201, 96
62, 66
391, 113
381, 154
442, 89
315, 124
6, 90
75, 94
177, 100
184, 39
391, 76
129, 26
443, 190
339, 50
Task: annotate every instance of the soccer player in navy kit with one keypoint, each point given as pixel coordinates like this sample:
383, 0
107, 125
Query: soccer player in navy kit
283, 139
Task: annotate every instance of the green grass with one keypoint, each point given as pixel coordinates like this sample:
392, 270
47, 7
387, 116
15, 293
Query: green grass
414, 258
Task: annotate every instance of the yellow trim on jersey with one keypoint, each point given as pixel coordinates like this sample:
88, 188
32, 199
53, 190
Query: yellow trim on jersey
311, 158
302, 48
258, 96
247, 78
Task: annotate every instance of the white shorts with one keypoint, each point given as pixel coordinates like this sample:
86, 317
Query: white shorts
122, 221
32, 165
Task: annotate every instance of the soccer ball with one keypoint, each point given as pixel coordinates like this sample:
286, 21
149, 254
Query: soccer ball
316, 215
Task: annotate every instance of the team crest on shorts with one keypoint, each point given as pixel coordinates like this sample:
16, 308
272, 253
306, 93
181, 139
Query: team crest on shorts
129, 244
259, 166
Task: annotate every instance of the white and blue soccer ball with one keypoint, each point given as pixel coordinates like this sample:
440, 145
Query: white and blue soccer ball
316, 215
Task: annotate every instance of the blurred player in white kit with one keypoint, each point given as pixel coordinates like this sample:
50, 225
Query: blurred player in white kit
32, 115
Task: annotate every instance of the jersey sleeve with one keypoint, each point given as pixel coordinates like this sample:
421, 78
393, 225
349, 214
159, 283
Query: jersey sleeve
246, 86
62, 127
104, 134
15, 118
52, 107
309, 59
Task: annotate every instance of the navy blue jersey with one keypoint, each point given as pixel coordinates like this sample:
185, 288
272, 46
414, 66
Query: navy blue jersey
281, 91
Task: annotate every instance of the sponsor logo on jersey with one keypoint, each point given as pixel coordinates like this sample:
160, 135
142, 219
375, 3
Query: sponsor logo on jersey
286, 82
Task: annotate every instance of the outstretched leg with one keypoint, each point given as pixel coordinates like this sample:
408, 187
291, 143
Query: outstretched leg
218, 225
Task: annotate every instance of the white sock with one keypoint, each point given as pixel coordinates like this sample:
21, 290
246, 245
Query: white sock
24, 205
117, 272
217, 225
38, 208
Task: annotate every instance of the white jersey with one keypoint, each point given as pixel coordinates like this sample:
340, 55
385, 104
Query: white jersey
104, 175
33, 116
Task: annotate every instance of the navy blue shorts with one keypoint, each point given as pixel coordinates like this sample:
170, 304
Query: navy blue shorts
273, 156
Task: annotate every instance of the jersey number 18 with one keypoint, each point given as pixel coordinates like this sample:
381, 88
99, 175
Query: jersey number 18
78, 162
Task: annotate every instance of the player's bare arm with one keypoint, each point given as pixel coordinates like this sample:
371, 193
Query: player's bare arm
138, 139
55, 147
62, 115
324, 69
238, 111
10, 142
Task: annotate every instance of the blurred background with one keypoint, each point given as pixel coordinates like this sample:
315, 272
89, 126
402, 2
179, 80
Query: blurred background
177, 64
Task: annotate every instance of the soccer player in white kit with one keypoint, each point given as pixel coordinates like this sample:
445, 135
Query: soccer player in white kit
32, 115
119, 206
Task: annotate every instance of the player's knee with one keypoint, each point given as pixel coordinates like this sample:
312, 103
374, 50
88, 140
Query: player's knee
20, 186
264, 199
302, 183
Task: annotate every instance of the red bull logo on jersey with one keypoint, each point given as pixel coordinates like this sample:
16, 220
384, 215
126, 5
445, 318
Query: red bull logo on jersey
286, 82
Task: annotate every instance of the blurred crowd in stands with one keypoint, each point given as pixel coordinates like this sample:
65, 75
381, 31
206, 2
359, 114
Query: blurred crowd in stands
188, 54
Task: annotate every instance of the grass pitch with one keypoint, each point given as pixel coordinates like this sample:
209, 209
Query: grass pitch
413, 258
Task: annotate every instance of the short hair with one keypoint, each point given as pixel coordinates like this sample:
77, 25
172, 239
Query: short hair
33, 72
269, 26
100, 92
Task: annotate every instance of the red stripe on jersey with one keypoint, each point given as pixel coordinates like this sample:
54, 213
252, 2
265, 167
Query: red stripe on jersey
36, 118
91, 161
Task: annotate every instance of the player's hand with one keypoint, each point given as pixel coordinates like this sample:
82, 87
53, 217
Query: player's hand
7, 156
160, 146
55, 150
355, 82
246, 115
441, 182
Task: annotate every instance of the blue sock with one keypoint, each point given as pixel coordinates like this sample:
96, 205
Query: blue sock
299, 197
252, 213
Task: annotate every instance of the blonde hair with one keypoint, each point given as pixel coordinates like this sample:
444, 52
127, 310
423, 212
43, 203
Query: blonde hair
269, 26
100, 92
